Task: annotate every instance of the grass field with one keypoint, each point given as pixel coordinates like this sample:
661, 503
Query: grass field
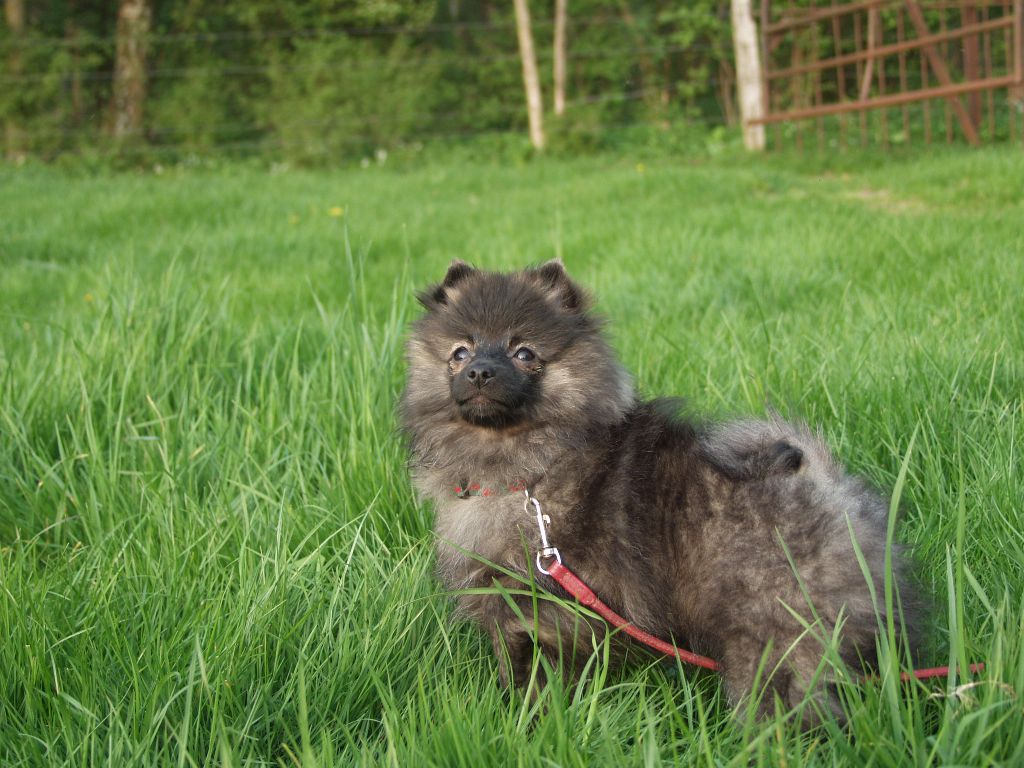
210, 552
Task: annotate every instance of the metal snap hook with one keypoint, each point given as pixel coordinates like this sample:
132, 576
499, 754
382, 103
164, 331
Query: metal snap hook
546, 549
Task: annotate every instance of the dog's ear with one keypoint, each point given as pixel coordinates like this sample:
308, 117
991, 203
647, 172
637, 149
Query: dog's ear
556, 282
437, 296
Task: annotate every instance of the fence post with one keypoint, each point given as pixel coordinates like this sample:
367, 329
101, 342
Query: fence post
531, 80
1018, 48
972, 66
14, 14
558, 65
748, 74
133, 20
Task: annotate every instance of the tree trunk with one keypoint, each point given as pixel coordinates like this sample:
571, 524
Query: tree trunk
130, 68
726, 94
73, 39
14, 13
72, 35
561, 13
748, 73
531, 81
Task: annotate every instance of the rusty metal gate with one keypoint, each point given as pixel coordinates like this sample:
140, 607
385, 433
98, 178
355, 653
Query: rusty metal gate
895, 59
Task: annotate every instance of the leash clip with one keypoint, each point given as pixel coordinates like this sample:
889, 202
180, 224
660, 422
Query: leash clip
546, 549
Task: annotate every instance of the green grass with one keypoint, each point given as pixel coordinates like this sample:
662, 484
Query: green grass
210, 552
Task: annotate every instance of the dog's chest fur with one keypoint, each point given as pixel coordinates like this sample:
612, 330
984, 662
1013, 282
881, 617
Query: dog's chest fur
476, 530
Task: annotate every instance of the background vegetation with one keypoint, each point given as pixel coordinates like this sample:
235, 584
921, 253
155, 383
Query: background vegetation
333, 79
336, 81
210, 552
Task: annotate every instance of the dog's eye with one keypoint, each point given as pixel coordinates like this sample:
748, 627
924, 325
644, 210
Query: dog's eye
525, 355
460, 355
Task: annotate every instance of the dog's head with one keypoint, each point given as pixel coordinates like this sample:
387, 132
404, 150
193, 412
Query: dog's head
511, 351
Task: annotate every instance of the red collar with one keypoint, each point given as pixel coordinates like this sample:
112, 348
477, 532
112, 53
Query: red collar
466, 489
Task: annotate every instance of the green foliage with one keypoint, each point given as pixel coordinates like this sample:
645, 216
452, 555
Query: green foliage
339, 79
339, 98
210, 552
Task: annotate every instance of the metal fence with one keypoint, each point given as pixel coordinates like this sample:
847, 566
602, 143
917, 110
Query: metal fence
920, 70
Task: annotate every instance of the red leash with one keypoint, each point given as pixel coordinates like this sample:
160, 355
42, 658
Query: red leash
576, 587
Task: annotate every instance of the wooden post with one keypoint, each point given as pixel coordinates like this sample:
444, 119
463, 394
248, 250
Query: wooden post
561, 14
943, 50
766, 52
926, 108
883, 113
133, 19
972, 70
14, 14
902, 62
748, 74
531, 81
726, 85
837, 42
987, 71
1010, 42
1018, 48
819, 97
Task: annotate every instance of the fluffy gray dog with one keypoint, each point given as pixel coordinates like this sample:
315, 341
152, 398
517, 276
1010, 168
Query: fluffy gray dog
720, 538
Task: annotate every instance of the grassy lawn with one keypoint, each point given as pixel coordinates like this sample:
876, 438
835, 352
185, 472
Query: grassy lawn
209, 548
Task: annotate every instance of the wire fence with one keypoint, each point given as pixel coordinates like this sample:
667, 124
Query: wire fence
388, 30
438, 120
349, 90
257, 69
346, 91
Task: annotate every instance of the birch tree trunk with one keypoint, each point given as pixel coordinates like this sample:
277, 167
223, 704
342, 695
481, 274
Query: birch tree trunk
531, 81
748, 73
561, 14
14, 14
133, 19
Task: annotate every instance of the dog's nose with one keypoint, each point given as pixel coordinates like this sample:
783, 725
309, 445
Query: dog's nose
480, 372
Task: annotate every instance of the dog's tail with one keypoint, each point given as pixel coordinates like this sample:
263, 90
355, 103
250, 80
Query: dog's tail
753, 449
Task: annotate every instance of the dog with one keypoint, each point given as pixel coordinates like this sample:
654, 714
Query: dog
743, 540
